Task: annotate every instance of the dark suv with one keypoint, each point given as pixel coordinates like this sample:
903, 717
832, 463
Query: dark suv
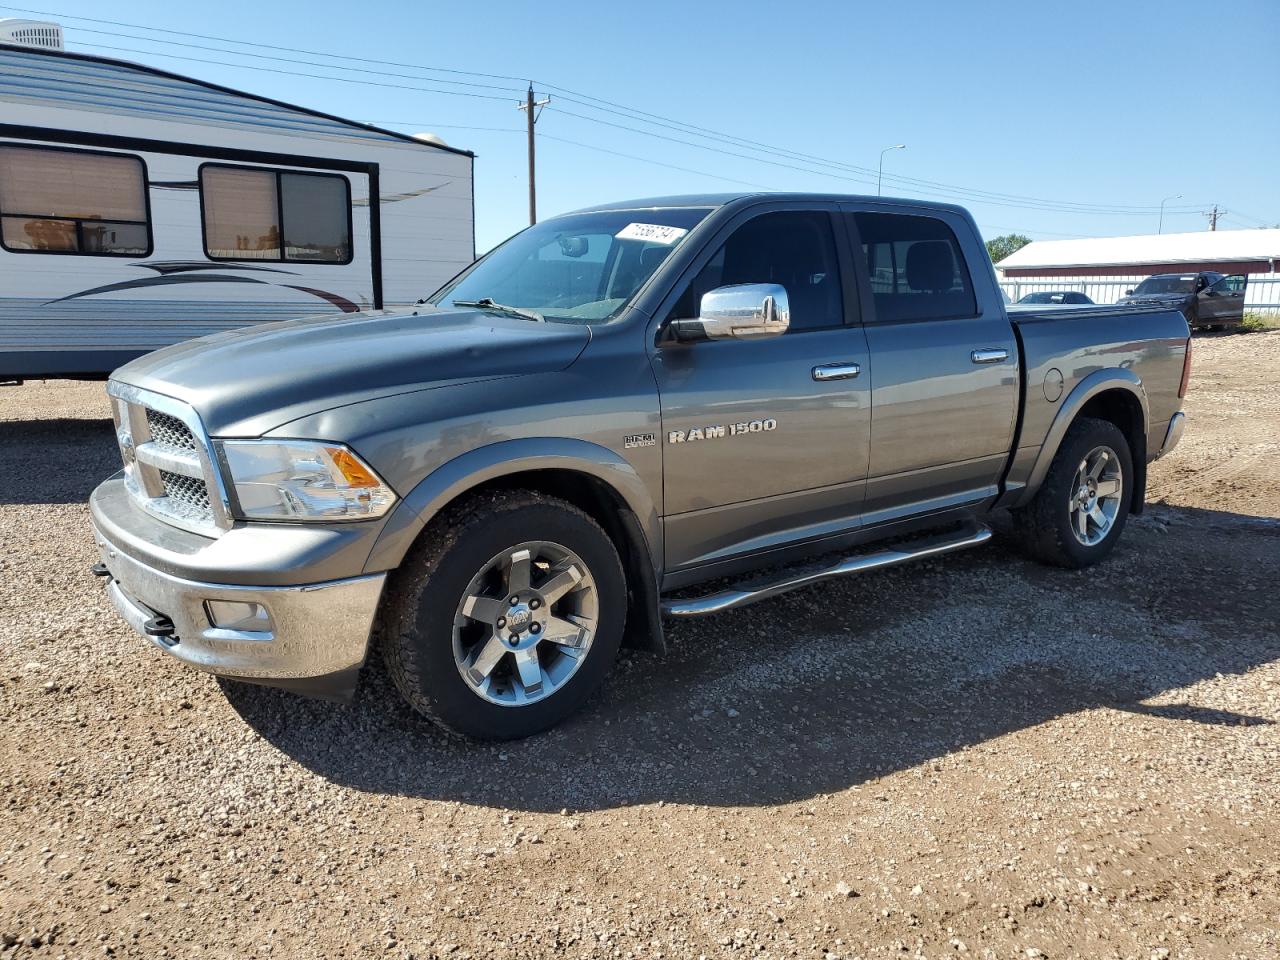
1207, 299
1056, 296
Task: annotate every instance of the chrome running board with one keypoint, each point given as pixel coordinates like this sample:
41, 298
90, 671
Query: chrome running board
793, 580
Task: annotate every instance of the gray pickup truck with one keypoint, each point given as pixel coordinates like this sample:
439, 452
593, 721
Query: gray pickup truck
548, 456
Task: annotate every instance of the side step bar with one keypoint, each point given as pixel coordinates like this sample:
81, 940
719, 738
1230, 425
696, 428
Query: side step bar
792, 580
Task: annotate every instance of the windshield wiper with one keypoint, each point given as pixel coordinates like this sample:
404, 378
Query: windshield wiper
488, 303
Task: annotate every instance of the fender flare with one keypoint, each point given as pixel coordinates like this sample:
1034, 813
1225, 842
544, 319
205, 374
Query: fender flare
509, 457
1109, 378
496, 460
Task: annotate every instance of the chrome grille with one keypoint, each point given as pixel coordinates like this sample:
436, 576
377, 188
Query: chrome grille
169, 431
187, 490
168, 463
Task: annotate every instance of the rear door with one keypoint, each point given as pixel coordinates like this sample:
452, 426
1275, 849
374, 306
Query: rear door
945, 363
765, 442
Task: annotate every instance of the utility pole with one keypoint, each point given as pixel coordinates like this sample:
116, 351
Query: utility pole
532, 109
1213, 216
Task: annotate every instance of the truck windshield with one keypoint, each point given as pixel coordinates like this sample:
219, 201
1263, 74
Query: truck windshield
1165, 285
579, 268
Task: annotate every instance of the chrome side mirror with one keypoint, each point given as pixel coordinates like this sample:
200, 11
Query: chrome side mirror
745, 311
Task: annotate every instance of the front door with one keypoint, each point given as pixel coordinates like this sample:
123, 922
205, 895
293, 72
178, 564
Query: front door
945, 364
765, 441
1222, 304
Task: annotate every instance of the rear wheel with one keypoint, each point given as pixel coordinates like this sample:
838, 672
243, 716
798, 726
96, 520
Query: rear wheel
1079, 512
506, 616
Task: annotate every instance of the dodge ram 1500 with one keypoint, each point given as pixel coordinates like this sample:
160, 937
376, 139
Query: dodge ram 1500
550, 454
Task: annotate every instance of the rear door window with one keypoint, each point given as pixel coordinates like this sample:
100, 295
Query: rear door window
915, 267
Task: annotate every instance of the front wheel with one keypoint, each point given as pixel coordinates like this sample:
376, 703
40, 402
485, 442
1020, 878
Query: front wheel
506, 616
1079, 512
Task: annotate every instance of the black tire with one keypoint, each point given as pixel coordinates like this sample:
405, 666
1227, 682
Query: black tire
422, 598
1044, 528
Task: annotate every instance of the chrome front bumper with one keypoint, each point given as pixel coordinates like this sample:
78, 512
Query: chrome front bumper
312, 639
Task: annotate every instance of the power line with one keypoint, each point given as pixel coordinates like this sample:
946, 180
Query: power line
1052, 233
310, 63
1047, 206
936, 187
755, 144
296, 73
397, 86
573, 95
98, 46
427, 125
1257, 220
443, 126
658, 163
262, 46
585, 100
923, 185
588, 102
699, 146
680, 126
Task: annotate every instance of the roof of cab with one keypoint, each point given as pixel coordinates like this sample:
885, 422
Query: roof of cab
723, 199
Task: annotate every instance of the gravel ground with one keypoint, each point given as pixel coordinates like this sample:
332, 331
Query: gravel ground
971, 756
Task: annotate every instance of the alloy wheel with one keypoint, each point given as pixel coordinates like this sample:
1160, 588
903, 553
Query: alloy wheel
1095, 495
525, 623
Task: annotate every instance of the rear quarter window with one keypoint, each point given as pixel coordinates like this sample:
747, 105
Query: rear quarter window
915, 266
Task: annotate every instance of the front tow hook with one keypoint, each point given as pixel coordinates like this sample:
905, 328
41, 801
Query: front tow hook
158, 627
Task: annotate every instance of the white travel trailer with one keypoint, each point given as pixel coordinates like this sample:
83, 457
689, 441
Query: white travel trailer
139, 208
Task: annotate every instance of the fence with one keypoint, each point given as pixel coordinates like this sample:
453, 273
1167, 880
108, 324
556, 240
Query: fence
1262, 295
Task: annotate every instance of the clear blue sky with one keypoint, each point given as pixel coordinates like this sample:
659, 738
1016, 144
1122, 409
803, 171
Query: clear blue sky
1104, 104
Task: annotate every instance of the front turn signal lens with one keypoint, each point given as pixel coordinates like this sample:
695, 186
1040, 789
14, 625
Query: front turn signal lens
352, 468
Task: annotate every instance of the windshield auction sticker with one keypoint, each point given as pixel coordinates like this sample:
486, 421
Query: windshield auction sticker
651, 233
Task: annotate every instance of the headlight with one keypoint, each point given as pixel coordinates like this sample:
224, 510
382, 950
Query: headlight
303, 480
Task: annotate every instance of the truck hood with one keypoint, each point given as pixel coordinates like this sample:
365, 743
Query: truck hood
248, 381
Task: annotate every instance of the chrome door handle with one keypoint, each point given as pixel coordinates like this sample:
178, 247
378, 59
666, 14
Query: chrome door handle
989, 355
836, 371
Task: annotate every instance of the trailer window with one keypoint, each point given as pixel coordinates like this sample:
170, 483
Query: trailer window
54, 200
916, 269
254, 214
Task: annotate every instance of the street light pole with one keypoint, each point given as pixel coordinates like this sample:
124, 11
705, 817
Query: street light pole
1177, 196
880, 174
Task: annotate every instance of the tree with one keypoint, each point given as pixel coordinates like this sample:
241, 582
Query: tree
1001, 247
